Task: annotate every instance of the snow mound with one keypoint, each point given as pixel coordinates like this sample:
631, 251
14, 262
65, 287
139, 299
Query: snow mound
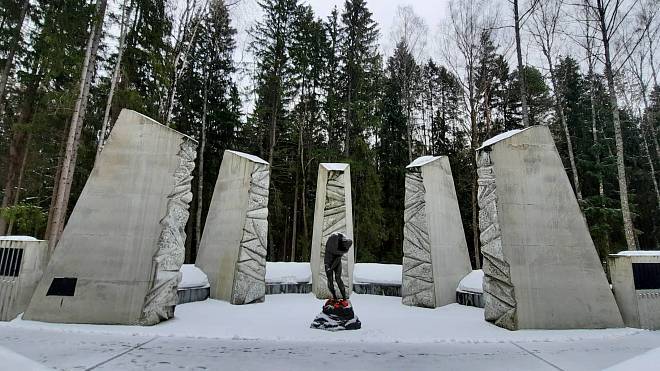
17, 238
285, 272
377, 273
499, 137
192, 277
473, 282
638, 253
14, 361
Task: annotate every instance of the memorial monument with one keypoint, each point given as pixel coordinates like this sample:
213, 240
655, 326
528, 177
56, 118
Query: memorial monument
541, 268
435, 255
118, 259
232, 251
333, 213
336, 314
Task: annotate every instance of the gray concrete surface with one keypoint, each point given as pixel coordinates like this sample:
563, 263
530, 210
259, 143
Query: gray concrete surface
124, 240
544, 271
435, 255
333, 212
232, 251
16, 291
640, 307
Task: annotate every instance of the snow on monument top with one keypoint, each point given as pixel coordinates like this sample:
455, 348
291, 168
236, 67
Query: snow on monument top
252, 158
334, 166
421, 161
500, 137
638, 253
18, 238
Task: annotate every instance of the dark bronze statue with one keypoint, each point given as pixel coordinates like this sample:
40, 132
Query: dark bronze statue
337, 245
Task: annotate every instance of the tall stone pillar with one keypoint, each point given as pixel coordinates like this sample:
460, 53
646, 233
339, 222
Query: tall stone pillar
541, 269
119, 256
435, 254
333, 212
232, 251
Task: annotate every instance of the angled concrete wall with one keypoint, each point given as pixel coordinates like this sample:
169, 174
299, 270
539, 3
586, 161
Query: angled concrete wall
232, 251
22, 264
435, 255
333, 212
541, 267
118, 259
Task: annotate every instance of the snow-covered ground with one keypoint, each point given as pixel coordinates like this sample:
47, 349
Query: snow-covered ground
276, 335
284, 272
288, 316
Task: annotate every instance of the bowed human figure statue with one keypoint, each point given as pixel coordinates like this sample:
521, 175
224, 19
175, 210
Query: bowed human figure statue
337, 245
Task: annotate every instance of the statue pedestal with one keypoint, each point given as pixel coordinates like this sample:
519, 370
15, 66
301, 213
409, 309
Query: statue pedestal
337, 316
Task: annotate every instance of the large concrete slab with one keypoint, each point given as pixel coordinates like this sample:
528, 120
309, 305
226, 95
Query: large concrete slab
540, 264
232, 251
435, 255
22, 263
118, 259
636, 284
333, 212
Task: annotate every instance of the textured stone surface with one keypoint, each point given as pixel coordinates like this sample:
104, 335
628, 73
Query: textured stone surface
435, 255
332, 214
250, 284
162, 297
233, 247
417, 286
541, 269
123, 243
500, 307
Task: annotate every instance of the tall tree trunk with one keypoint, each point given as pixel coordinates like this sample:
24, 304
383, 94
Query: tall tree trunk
75, 129
569, 143
115, 78
521, 71
9, 62
349, 109
19, 183
592, 107
628, 227
200, 178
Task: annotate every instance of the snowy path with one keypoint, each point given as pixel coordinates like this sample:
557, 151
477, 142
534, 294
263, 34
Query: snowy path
275, 335
124, 352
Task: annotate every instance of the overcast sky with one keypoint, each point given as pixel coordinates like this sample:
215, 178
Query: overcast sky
432, 11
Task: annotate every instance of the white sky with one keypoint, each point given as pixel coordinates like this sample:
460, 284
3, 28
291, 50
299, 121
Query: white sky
247, 12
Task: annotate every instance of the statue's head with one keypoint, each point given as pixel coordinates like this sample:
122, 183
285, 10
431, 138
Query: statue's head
345, 243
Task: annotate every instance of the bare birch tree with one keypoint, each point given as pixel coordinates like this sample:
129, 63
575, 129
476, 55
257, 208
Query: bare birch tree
123, 31
467, 22
543, 28
610, 15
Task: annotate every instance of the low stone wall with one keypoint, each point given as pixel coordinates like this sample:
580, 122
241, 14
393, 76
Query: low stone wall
192, 294
470, 299
377, 289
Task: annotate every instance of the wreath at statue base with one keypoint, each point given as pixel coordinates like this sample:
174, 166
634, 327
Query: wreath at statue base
337, 315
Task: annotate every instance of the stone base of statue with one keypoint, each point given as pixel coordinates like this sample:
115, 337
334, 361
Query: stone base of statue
337, 315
